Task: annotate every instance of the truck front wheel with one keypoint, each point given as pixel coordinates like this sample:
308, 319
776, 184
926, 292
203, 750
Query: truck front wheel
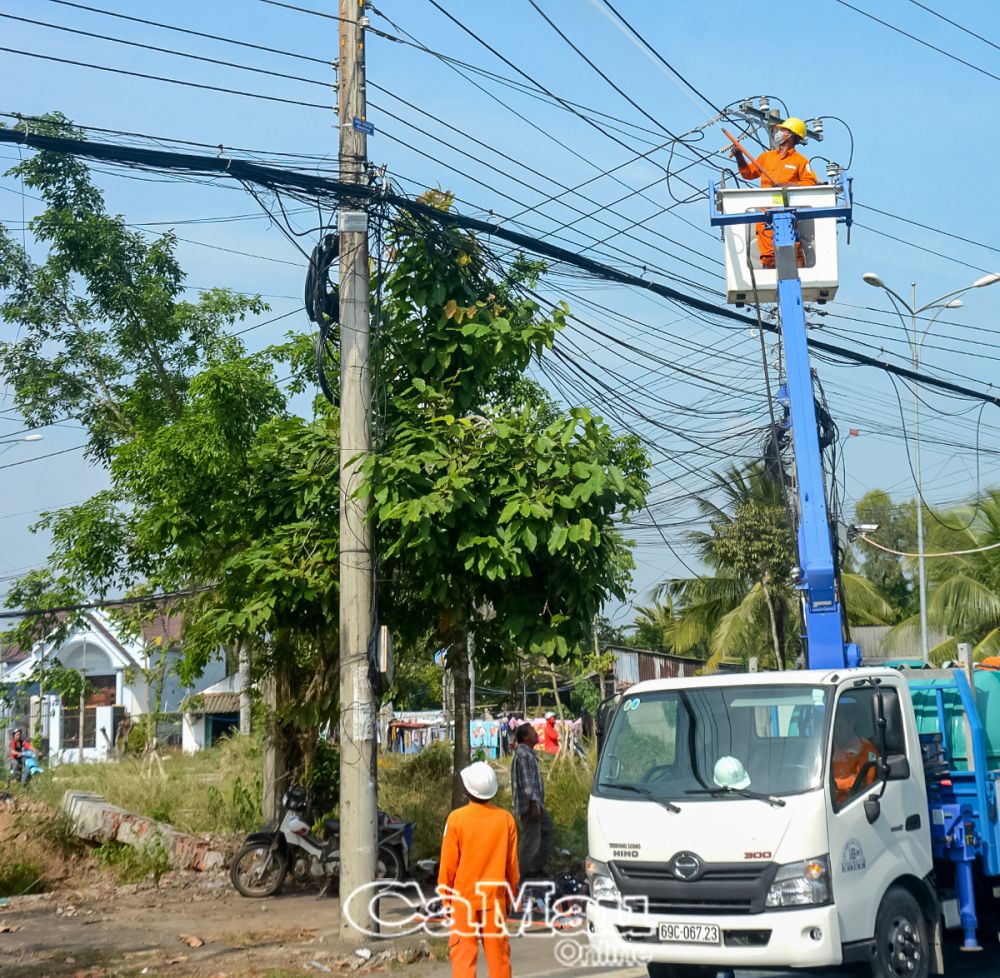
658, 969
902, 938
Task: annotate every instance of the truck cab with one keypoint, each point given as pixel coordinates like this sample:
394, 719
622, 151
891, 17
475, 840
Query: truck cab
764, 820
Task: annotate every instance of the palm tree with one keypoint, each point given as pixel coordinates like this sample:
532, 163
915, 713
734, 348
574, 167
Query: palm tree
654, 624
963, 588
748, 606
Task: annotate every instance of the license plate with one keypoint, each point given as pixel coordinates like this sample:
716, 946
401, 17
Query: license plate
689, 933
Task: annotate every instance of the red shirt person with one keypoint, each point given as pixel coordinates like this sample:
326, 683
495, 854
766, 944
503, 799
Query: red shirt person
779, 167
550, 744
18, 745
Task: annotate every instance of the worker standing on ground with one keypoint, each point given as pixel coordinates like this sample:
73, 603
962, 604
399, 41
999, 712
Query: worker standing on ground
782, 166
479, 868
528, 790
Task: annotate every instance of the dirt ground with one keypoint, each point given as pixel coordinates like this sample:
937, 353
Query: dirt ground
191, 926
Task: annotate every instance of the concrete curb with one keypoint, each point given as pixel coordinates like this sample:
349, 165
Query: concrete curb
97, 820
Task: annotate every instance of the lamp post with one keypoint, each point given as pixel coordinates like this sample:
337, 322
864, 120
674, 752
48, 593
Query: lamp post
949, 300
11, 442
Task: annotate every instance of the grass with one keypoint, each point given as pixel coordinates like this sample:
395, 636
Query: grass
20, 876
214, 790
133, 864
418, 789
219, 790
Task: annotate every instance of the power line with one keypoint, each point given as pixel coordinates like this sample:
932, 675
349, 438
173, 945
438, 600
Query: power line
913, 37
628, 98
161, 50
38, 458
954, 23
913, 244
170, 81
536, 83
108, 603
460, 65
659, 57
927, 227
316, 186
193, 33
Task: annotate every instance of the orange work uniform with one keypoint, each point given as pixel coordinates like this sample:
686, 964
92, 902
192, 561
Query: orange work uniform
478, 863
847, 764
778, 168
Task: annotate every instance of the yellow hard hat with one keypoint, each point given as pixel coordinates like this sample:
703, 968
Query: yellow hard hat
794, 124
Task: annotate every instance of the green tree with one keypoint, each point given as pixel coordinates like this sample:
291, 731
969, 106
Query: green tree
653, 627
104, 334
897, 530
963, 598
497, 513
748, 606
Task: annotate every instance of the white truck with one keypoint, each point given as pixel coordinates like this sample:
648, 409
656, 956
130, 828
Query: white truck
721, 835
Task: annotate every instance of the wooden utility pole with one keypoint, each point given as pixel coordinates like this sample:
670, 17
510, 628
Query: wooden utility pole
357, 705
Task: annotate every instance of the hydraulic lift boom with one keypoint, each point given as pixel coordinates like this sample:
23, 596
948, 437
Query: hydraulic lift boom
817, 579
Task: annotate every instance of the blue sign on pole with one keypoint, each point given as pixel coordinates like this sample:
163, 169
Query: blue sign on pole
363, 125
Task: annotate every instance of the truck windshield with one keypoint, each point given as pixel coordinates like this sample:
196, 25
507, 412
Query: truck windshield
680, 745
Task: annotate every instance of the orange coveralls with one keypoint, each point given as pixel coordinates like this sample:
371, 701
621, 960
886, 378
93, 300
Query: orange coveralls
480, 847
847, 764
778, 167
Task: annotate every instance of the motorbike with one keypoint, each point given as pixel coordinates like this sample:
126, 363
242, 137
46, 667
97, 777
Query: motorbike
29, 766
260, 867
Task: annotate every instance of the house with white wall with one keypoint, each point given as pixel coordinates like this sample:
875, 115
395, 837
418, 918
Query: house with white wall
115, 667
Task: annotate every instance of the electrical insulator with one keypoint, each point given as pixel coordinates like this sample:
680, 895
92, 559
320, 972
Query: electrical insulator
765, 104
816, 125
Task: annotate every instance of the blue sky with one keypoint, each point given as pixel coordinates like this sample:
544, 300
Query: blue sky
924, 136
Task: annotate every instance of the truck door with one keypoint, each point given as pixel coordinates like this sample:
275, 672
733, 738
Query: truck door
873, 844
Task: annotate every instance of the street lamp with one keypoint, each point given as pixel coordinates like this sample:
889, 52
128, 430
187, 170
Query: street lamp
11, 442
34, 436
915, 341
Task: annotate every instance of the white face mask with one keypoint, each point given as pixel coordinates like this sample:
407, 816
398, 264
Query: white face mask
781, 136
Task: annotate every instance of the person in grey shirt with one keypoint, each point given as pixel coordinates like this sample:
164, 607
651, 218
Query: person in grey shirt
534, 823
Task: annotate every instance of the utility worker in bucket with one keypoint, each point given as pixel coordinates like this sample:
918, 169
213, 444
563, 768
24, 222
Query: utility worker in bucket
478, 870
779, 167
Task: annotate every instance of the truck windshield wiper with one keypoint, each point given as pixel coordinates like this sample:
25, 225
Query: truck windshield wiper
645, 792
743, 792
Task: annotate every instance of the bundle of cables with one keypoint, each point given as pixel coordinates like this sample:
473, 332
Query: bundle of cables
322, 301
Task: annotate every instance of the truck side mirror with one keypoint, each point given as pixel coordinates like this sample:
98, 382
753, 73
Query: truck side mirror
873, 808
897, 767
892, 715
605, 714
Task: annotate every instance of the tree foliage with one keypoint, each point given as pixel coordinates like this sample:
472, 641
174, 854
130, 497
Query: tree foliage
494, 510
963, 588
748, 605
897, 529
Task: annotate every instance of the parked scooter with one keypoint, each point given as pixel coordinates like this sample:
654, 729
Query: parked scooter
29, 766
260, 867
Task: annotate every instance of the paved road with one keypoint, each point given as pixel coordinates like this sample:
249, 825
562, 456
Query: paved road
547, 956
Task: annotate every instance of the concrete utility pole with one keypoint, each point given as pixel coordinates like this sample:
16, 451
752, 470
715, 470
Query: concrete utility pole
357, 705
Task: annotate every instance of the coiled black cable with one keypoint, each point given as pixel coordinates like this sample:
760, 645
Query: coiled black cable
322, 302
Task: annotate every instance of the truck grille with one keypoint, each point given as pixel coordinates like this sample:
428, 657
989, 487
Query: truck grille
722, 888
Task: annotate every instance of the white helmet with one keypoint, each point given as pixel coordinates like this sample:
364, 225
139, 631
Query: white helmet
480, 780
729, 772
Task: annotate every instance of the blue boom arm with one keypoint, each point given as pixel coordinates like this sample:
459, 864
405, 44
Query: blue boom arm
824, 637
